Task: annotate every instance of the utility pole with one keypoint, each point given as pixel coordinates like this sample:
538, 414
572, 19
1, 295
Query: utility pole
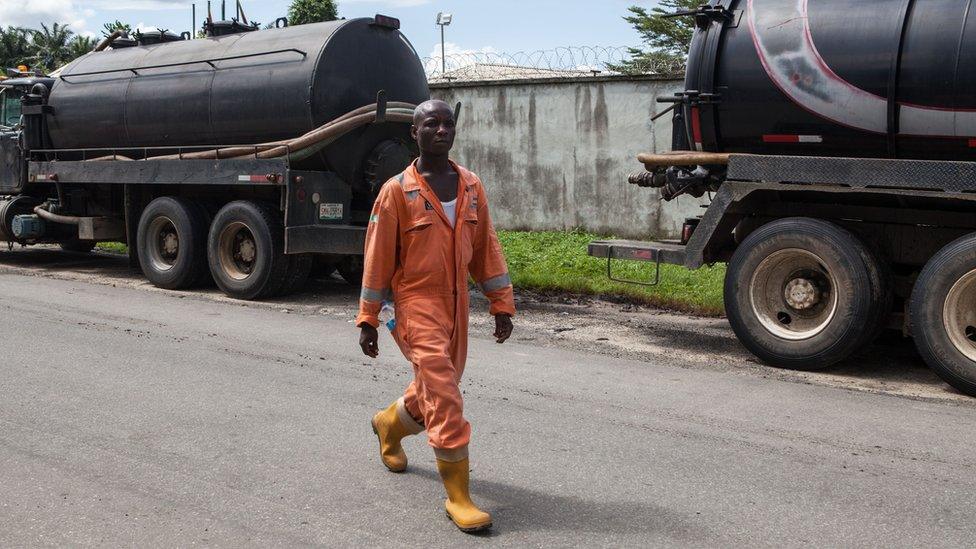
223, 10
193, 27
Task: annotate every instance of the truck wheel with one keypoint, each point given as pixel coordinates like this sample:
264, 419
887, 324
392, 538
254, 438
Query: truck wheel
78, 246
351, 269
246, 248
172, 243
943, 314
799, 295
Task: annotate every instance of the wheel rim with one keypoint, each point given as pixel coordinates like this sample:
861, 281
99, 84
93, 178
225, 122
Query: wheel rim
793, 294
238, 251
164, 243
959, 315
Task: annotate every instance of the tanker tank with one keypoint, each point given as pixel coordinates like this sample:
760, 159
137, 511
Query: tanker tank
882, 79
246, 88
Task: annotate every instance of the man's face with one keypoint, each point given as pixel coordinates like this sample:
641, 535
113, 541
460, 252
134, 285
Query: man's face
434, 129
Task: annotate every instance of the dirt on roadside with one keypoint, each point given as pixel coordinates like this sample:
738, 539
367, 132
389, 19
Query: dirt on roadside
623, 330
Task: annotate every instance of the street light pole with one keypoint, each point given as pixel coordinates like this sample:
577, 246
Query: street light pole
443, 19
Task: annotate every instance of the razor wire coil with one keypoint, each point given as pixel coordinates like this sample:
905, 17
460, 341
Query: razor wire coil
565, 62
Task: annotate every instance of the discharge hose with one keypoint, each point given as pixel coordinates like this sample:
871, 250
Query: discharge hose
55, 218
305, 145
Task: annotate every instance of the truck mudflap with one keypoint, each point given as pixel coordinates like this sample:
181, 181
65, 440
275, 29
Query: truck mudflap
331, 239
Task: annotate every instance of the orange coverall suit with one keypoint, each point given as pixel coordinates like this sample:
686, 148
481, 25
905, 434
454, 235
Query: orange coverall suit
415, 257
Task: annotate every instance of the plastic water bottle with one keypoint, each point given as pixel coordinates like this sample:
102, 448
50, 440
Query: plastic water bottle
388, 315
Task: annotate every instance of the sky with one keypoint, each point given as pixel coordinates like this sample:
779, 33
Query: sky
504, 26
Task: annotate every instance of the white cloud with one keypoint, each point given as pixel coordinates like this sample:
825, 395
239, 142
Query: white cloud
458, 57
391, 3
148, 5
76, 13
450, 48
31, 12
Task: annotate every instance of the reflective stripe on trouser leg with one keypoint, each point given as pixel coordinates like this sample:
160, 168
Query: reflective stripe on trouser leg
496, 283
453, 455
406, 419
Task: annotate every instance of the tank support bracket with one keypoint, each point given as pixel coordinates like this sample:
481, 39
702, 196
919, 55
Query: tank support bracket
381, 107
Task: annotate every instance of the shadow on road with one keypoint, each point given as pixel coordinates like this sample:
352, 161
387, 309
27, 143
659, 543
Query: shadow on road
114, 267
890, 364
520, 509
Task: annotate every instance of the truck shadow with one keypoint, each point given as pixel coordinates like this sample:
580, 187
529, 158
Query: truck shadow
891, 364
111, 267
892, 360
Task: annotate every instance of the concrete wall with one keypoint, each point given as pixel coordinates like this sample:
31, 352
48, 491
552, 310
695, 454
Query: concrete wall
556, 154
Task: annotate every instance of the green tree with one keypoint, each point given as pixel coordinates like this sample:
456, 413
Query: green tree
80, 45
303, 12
666, 40
109, 28
51, 46
15, 47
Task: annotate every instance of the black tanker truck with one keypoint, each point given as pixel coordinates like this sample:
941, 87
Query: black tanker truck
839, 138
239, 156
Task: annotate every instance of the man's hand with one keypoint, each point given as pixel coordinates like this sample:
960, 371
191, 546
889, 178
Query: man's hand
503, 328
369, 341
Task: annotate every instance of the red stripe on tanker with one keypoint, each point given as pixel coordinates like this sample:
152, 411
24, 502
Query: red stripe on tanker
696, 130
776, 138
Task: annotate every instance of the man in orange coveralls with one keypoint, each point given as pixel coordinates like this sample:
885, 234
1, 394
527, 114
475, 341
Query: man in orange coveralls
429, 229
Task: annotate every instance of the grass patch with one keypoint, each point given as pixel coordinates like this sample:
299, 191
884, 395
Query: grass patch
113, 247
557, 261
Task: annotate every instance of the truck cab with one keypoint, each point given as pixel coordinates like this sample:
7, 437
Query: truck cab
11, 156
10, 106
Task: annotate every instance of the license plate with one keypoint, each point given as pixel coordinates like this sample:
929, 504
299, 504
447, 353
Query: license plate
330, 212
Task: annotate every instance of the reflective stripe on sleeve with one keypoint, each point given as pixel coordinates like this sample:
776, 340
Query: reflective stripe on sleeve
374, 296
496, 283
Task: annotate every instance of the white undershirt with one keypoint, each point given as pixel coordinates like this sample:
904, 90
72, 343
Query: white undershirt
450, 210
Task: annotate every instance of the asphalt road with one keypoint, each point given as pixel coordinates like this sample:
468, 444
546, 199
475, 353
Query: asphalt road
130, 417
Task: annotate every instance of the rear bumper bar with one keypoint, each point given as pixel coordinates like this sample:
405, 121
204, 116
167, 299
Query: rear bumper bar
671, 253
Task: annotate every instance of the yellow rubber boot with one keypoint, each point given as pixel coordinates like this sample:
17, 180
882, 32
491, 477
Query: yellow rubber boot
459, 506
390, 427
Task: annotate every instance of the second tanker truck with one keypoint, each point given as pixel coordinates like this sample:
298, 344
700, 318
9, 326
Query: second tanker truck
238, 156
839, 138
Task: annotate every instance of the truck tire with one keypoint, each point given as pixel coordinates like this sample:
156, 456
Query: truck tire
882, 294
299, 269
172, 239
799, 294
351, 269
246, 250
943, 315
